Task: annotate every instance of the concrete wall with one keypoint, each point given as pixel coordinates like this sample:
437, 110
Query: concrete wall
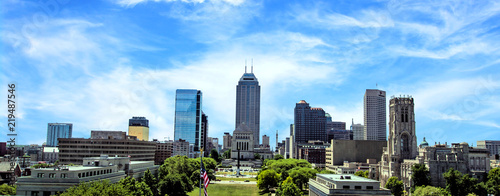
356, 150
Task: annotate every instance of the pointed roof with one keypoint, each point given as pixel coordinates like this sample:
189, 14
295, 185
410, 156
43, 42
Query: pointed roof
243, 128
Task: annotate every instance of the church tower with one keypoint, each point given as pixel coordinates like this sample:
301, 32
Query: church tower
402, 141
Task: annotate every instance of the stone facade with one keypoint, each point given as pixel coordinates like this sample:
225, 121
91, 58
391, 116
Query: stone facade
402, 141
243, 140
402, 151
359, 151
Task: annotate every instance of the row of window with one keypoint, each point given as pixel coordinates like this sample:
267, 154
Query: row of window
51, 175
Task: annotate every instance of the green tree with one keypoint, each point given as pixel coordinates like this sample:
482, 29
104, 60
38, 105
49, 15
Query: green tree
256, 155
266, 179
430, 191
363, 174
325, 171
453, 178
395, 185
288, 188
278, 157
215, 156
420, 175
134, 187
301, 175
151, 181
97, 188
227, 154
175, 184
493, 183
6, 189
286, 164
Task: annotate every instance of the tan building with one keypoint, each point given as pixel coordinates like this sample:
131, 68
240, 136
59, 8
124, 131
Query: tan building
139, 127
242, 140
226, 139
163, 151
73, 150
353, 151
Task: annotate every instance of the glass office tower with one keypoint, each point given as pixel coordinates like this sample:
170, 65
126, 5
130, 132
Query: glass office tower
187, 125
58, 130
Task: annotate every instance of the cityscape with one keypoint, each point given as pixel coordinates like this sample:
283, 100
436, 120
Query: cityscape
242, 98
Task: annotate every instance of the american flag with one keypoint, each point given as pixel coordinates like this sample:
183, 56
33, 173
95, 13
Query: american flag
204, 177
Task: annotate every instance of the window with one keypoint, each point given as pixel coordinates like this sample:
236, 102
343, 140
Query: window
52, 175
34, 193
40, 175
345, 187
66, 175
357, 187
369, 187
79, 175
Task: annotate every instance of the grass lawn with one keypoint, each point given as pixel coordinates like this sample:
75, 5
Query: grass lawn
229, 189
236, 179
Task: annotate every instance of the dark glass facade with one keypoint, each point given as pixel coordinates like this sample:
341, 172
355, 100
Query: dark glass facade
58, 130
187, 125
248, 104
138, 121
310, 123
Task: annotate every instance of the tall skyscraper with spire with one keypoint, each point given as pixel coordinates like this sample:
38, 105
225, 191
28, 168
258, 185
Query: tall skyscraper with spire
248, 104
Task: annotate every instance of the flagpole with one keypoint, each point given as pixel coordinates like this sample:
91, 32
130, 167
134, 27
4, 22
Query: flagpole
201, 163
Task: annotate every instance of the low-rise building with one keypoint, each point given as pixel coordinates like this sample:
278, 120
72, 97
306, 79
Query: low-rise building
344, 184
353, 151
73, 150
164, 150
50, 154
50, 181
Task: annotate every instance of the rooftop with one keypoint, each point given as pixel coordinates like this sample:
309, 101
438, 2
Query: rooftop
345, 177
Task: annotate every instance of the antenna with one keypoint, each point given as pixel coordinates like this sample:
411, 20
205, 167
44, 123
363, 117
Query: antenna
245, 66
376, 84
252, 65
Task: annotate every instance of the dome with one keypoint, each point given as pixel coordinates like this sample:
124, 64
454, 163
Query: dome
302, 101
424, 144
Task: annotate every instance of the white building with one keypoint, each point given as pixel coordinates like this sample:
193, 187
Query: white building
344, 184
375, 115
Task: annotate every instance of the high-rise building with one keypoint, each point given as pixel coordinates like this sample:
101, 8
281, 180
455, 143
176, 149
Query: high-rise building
188, 117
248, 104
139, 127
309, 123
374, 115
492, 145
226, 139
265, 141
58, 130
204, 133
357, 131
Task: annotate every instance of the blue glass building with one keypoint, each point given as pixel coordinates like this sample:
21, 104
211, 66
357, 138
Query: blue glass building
58, 130
187, 125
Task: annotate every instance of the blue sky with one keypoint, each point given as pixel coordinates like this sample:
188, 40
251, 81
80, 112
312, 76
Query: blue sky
98, 63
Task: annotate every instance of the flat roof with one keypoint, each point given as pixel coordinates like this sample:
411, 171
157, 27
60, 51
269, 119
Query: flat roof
338, 178
71, 168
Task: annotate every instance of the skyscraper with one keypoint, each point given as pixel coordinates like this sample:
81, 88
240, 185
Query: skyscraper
187, 125
248, 104
309, 123
139, 127
58, 130
374, 115
265, 141
204, 133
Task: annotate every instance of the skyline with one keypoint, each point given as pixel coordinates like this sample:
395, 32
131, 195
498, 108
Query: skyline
97, 64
